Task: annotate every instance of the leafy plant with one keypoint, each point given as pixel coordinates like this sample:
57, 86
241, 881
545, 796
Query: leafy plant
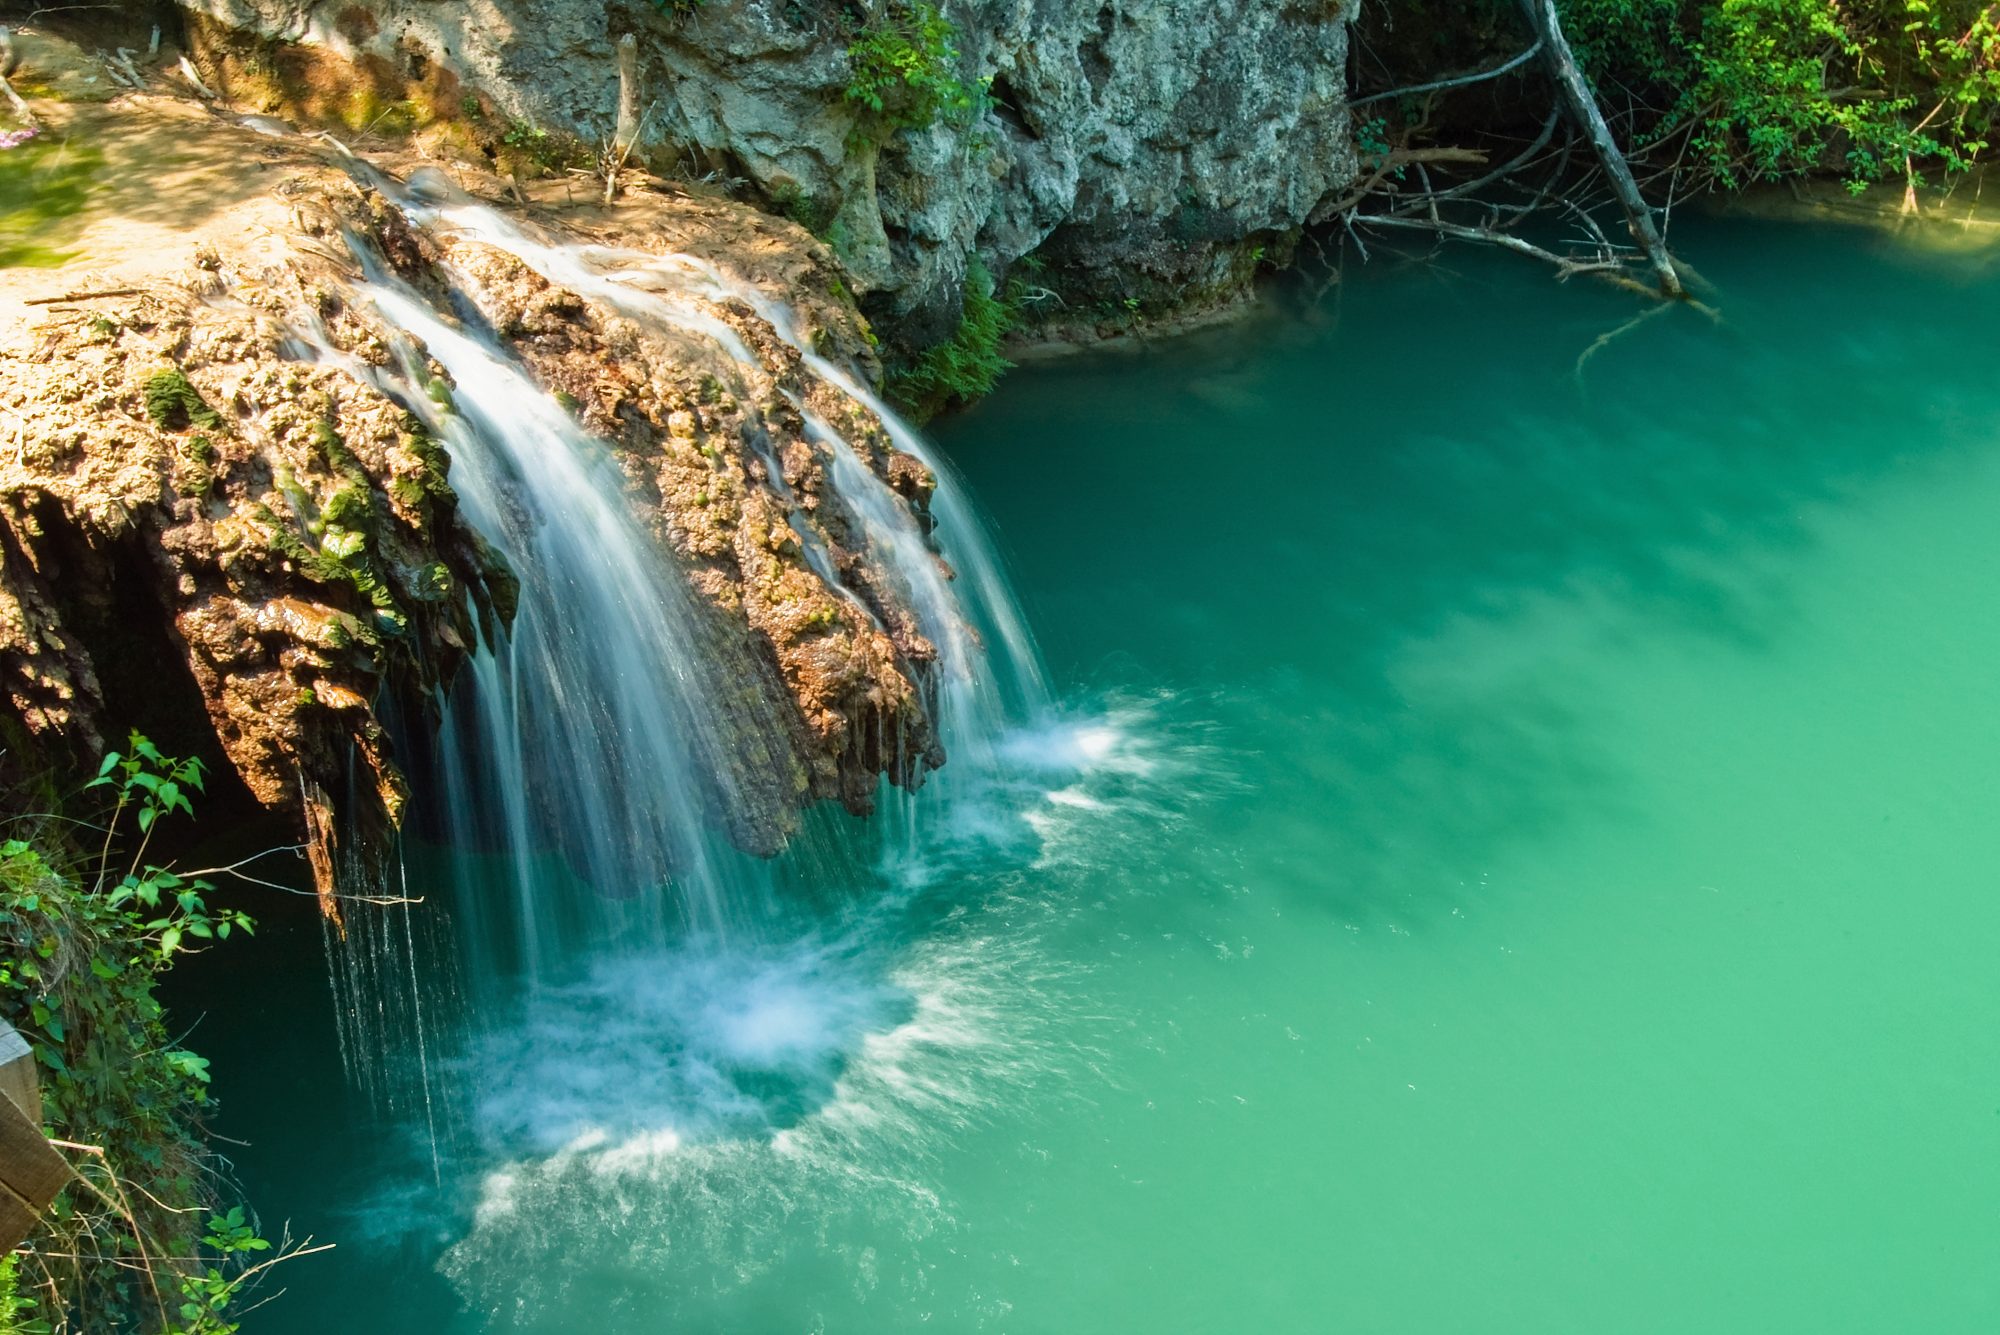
1745, 90
969, 364
541, 149
81, 954
152, 785
905, 69
17, 1310
1371, 139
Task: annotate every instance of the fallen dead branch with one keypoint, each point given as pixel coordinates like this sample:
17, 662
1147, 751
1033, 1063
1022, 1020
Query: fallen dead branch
1582, 102
82, 296
1439, 85
1566, 266
1572, 168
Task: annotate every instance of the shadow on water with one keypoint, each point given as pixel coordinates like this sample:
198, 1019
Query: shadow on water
1383, 513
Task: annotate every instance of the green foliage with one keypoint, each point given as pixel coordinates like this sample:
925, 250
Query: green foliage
206, 1291
336, 554
1744, 90
904, 68
815, 214
433, 480
338, 544
175, 405
969, 364
80, 958
537, 147
17, 1309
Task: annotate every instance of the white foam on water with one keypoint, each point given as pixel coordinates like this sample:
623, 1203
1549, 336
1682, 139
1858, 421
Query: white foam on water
686, 1189
708, 1040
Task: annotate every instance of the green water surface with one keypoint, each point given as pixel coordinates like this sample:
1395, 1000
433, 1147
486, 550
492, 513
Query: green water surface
1548, 879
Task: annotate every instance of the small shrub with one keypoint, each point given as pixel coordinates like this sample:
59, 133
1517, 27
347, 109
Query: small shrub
84, 940
969, 364
905, 70
547, 152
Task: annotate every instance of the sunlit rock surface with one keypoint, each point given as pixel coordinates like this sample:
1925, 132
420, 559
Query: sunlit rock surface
1144, 147
198, 517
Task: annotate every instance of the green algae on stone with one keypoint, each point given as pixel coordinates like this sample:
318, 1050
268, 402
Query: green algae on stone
175, 405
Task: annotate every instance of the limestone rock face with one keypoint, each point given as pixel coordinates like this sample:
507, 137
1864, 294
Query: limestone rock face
194, 522
214, 516
1139, 147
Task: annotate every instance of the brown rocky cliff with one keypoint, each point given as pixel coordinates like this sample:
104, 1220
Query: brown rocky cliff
190, 513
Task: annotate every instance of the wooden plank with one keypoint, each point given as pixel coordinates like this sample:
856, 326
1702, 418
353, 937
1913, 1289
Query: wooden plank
21, 1084
19, 1080
17, 1221
30, 1168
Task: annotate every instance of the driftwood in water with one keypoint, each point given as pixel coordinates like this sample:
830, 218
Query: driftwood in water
1536, 182
1565, 265
1582, 102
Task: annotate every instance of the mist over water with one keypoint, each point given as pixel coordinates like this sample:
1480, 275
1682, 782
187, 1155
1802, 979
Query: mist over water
1511, 851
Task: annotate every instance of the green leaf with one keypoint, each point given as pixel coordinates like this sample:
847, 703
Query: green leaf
190, 1064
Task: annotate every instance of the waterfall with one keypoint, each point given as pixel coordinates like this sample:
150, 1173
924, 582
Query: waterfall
983, 685
624, 966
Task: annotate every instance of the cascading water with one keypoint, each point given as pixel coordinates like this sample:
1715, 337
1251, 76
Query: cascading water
632, 979
989, 674
983, 685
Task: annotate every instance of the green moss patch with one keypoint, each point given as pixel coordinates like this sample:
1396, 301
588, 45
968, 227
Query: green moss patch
175, 405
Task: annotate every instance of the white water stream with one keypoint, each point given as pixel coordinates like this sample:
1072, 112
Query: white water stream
632, 985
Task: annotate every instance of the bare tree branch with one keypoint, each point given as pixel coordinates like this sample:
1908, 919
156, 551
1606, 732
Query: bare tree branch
1582, 101
1459, 82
